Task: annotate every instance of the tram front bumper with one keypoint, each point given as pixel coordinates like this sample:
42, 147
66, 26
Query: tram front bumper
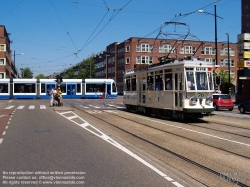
198, 110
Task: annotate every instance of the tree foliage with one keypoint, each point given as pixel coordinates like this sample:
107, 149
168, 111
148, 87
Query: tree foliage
41, 76
86, 69
224, 87
26, 73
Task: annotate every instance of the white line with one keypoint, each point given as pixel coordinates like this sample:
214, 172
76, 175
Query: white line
9, 107
72, 117
4, 132
6, 127
65, 112
20, 107
97, 107
42, 107
31, 106
177, 184
1, 140
194, 131
119, 146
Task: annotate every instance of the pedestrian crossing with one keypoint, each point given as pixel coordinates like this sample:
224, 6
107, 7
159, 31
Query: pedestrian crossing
23, 107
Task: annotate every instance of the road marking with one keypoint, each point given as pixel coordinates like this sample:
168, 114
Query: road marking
4, 132
193, 131
10, 101
31, 106
10, 107
42, 107
20, 107
1, 140
106, 138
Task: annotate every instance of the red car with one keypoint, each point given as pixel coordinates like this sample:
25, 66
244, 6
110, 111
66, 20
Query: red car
222, 101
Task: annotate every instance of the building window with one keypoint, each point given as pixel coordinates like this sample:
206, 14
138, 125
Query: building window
127, 60
2, 61
144, 59
1, 75
224, 52
151, 60
127, 48
138, 48
144, 48
138, 60
165, 49
187, 50
225, 63
2, 47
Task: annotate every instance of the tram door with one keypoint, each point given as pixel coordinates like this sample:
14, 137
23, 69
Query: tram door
108, 91
178, 90
71, 90
49, 88
142, 89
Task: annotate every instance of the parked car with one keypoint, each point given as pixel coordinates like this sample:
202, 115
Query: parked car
244, 107
222, 101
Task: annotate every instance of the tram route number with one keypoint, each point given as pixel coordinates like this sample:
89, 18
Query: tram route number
200, 95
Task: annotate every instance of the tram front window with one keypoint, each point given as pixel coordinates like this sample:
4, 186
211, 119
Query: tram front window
198, 81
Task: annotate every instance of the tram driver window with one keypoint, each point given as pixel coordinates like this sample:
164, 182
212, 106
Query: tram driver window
190, 81
168, 82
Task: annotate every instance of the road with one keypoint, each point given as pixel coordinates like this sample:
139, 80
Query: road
113, 147
48, 146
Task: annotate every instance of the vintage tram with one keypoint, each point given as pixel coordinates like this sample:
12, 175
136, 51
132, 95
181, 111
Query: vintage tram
173, 88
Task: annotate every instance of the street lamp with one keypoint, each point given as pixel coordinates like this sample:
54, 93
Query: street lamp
215, 28
15, 57
228, 61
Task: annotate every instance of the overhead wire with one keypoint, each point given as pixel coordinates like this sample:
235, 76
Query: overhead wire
11, 10
63, 24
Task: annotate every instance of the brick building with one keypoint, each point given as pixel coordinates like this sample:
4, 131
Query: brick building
7, 67
119, 57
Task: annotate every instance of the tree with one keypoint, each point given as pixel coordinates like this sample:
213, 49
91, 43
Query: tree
41, 76
89, 66
26, 73
224, 87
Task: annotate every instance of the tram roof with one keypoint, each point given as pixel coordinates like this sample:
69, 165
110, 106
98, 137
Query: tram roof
188, 62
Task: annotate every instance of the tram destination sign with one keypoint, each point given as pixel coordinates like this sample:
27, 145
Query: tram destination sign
141, 67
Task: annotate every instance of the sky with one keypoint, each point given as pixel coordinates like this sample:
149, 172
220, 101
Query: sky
51, 35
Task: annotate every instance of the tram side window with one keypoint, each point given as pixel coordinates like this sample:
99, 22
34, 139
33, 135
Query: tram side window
180, 81
168, 82
150, 83
24, 88
4, 88
158, 82
113, 87
42, 88
94, 88
133, 84
78, 88
128, 84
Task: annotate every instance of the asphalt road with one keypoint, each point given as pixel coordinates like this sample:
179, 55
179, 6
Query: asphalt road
40, 146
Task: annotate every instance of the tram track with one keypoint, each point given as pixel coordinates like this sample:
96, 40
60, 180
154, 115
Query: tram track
165, 149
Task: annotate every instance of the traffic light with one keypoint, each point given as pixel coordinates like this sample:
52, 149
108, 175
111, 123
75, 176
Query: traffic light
59, 79
218, 80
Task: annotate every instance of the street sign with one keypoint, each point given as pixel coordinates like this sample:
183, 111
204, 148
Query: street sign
217, 71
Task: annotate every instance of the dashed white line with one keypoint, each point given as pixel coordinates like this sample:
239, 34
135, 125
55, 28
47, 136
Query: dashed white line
1, 140
31, 106
42, 107
20, 107
4, 132
10, 107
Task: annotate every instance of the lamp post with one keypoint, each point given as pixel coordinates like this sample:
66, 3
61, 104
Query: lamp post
107, 66
229, 63
15, 58
215, 30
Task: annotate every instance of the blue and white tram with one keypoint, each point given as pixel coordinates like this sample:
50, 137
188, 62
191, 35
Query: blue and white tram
71, 88
173, 89
96, 88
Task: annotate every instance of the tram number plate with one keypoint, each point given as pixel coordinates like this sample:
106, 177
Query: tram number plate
200, 95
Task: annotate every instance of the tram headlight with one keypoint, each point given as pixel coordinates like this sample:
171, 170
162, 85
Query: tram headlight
209, 100
193, 100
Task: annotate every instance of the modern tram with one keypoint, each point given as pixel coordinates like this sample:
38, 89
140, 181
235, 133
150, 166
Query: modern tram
71, 88
172, 88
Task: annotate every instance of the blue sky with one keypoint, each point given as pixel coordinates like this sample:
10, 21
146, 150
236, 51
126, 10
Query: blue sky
54, 34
